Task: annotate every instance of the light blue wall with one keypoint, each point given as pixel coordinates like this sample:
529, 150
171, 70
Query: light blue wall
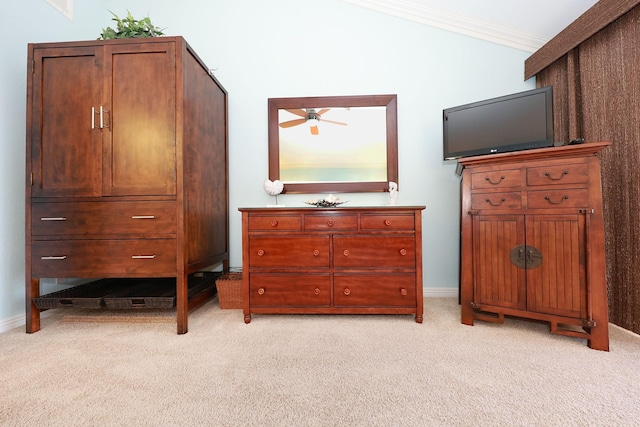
278, 48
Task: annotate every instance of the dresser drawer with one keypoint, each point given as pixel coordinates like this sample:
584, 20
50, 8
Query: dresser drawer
289, 252
381, 290
374, 251
289, 290
561, 174
104, 258
510, 200
387, 222
330, 222
496, 179
275, 223
103, 218
574, 198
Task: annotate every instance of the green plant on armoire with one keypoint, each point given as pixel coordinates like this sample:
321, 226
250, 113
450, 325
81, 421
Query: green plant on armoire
129, 27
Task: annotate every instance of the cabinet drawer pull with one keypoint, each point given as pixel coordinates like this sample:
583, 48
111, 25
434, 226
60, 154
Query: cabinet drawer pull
143, 256
143, 217
260, 252
488, 179
345, 252
93, 117
403, 292
502, 200
316, 291
53, 218
274, 223
403, 252
387, 222
316, 252
330, 223
53, 257
548, 199
261, 291
548, 175
347, 291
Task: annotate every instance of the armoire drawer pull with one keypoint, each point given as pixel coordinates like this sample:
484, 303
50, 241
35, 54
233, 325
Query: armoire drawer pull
403, 292
387, 222
261, 291
548, 199
274, 223
316, 252
53, 218
316, 291
488, 179
403, 252
548, 175
53, 257
345, 252
347, 291
143, 217
143, 256
260, 252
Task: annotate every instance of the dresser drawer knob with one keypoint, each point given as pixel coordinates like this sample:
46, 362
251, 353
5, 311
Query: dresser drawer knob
403, 292
548, 175
260, 252
403, 252
345, 252
261, 291
548, 199
316, 252
488, 179
316, 291
387, 222
274, 223
347, 291
330, 223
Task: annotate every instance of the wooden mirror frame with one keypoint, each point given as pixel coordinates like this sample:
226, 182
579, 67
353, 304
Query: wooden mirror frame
388, 101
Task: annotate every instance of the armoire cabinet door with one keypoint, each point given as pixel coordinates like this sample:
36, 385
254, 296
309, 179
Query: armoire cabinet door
557, 285
66, 150
139, 136
498, 281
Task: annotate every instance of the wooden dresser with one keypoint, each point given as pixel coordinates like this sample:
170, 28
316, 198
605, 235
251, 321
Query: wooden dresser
347, 260
126, 165
533, 240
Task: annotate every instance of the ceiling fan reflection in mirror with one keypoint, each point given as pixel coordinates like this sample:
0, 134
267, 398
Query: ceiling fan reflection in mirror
309, 116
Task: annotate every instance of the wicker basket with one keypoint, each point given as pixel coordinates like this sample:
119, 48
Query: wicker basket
229, 288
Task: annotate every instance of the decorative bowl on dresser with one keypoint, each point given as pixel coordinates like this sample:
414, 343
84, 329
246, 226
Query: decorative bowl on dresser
347, 260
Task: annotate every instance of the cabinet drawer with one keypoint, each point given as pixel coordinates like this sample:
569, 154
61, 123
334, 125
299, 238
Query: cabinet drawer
330, 222
577, 173
381, 290
496, 179
496, 200
374, 251
275, 222
289, 252
387, 222
289, 290
103, 218
104, 258
574, 198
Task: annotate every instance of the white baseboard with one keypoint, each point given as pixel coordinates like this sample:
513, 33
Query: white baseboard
17, 321
440, 292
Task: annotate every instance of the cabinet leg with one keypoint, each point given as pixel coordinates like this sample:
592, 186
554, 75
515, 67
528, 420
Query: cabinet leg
33, 312
247, 318
182, 303
599, 337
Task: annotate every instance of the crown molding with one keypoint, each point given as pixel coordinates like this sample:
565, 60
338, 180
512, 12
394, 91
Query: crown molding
455, 23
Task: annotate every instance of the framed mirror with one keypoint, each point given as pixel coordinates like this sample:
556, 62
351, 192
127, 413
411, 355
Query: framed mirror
333, 144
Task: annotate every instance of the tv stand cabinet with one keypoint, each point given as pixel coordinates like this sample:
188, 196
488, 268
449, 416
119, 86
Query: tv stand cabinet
532, 240
347, 260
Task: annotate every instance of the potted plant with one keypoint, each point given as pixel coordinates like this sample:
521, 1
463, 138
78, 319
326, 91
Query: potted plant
129, 27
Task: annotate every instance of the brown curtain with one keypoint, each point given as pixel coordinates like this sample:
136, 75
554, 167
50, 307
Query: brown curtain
597, 97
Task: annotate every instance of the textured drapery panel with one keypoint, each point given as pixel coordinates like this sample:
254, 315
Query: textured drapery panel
597, 96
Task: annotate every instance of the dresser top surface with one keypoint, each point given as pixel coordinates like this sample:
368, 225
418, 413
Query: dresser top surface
308, 209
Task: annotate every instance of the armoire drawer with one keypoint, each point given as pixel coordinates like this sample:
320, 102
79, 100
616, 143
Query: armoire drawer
289, 290
381, 290
510, 200
289, 252
559, 199
103, 258
374, 251
496, 179
560, 174
103, 218
275, 223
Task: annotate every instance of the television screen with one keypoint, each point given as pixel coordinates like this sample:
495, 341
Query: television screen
519, 121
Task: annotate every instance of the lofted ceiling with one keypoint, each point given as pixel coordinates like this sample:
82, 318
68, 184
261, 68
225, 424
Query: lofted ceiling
525, 25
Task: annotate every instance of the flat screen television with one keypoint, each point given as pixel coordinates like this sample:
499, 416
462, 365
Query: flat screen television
519, 121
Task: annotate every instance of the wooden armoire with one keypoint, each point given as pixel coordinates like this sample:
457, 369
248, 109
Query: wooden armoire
127, 170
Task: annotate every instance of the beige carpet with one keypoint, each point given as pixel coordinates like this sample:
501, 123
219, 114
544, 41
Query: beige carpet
287, 370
